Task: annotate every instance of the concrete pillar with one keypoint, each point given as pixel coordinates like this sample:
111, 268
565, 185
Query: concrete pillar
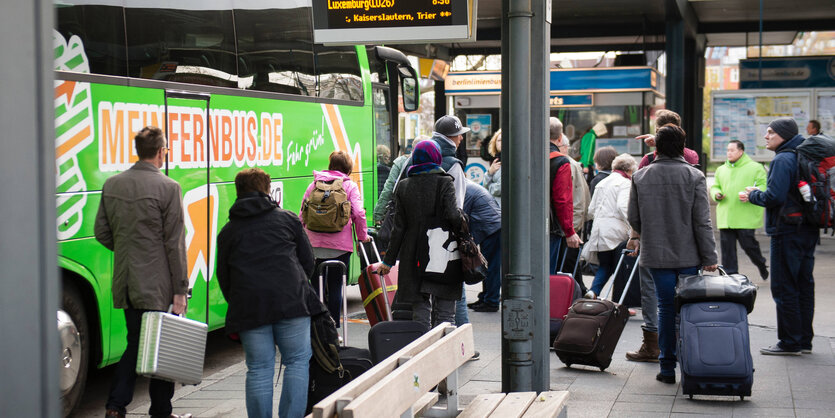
29, 287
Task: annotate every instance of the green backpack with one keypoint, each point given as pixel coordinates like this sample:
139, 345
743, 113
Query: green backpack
327, 209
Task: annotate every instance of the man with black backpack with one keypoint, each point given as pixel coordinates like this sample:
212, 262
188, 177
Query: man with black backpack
793, 240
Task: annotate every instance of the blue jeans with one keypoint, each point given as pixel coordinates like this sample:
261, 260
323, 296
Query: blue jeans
293, 339
608, 262
461, 315
554, 245
793, 287
649, 300
491, 248
665, 287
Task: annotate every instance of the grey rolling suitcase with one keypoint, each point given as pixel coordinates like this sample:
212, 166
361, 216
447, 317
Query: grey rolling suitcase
171, 348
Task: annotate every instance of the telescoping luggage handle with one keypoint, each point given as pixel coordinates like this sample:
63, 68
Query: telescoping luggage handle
383, 284
576, 261
615, 275
340, 265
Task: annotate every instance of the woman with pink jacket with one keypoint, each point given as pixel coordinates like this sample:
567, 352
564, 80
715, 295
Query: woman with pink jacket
337, 245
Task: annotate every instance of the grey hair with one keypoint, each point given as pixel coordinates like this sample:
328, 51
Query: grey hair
556, 128
625, 163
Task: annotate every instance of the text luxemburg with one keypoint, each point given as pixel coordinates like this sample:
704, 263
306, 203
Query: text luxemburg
359, 4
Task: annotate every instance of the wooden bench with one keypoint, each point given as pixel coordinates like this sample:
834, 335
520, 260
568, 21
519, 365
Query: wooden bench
402, 384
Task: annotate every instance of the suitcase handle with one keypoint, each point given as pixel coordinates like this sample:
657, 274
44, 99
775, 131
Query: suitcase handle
383, 283
614, 275
340, 265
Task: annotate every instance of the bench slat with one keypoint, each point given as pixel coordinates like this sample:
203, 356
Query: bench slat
547, 405
327, 407
425, 402
482, 405
514, 405
401, 388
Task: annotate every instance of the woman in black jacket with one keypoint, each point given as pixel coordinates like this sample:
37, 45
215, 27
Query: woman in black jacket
264, 260
428, 191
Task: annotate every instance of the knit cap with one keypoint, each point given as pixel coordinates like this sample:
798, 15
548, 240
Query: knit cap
785, 127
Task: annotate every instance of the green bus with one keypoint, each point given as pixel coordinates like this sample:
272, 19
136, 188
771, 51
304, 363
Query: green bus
235, 84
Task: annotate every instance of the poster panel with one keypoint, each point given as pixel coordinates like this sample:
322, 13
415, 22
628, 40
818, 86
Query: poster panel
744, 116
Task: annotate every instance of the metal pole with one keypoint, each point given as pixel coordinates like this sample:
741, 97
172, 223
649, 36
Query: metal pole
517, 306
538, 200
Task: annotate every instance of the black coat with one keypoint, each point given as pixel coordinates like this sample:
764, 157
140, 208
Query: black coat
264, 260
414, 202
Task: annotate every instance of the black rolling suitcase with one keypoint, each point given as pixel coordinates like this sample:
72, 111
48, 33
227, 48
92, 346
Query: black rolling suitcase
386, 338
355, 361
591, 331
326, 373
633, 294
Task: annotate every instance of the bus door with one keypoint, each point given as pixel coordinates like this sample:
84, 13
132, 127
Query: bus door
189, 133
381, 106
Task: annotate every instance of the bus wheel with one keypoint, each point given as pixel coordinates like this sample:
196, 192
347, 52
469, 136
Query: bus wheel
74, 337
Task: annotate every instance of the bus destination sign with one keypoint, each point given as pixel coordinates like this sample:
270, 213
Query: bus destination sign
389, 21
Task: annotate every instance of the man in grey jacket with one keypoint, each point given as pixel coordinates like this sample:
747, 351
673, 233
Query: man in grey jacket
140, 219
670, 214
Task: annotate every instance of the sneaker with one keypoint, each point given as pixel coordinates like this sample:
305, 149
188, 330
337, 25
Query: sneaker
339, 337
590, 295
776, 350
486, 307
476, 356
665, 378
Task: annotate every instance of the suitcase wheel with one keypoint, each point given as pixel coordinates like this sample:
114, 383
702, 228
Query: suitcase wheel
691, 396
741, 398
568, 365
602, 369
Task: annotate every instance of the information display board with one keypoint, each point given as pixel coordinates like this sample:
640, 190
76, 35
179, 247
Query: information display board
745, 114
826, 110
387, 21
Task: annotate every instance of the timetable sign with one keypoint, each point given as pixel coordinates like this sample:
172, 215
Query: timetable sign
392, 21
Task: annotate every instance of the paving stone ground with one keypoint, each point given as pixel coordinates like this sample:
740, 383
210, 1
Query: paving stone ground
783, 386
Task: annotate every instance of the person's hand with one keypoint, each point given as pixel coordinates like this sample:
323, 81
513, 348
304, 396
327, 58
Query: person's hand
573, 241
633, 245
179, 307
367, 239
711, 267
719, 196
648, 139
383, 269
495, 166
743, 196
585, 170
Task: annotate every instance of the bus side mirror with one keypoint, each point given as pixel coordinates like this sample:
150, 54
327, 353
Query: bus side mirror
409, 88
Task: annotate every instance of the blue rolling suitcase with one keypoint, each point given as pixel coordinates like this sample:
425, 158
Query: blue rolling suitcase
714, 350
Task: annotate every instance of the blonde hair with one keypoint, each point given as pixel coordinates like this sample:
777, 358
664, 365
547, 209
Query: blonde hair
491, 147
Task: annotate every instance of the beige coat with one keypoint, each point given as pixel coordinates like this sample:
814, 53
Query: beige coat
140, 219
580, 193
609, 208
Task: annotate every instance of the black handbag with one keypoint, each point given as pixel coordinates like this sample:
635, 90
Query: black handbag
711, 288
473, 263
438, 251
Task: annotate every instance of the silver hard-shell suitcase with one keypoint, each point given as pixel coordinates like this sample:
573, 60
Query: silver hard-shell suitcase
171, 348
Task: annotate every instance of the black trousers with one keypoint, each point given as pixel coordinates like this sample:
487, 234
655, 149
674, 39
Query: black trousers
121, 389
749, 244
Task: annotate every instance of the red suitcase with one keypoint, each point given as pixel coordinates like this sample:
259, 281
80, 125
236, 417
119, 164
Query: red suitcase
376, 299
562, 294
